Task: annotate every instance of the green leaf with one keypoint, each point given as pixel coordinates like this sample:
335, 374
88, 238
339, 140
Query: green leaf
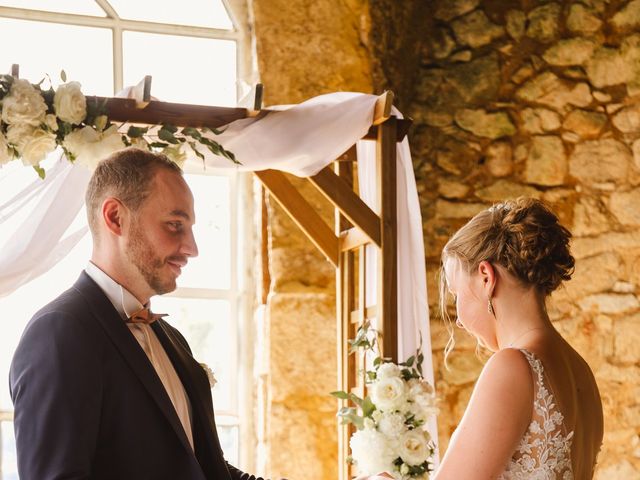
167, 136
192, 132
367, 407
169, 128
63, 75
409, 361
158, 144
349, 415
126, 141
340, 394
215, 131
377, 361
39, 170
196, 151
137, 132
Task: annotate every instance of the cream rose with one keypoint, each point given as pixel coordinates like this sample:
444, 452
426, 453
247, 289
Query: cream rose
389, 394
18, 134
37, 146
5, 153
69, 103
388, 370
175, 153
23, 104
392, 424
414, 447
89, 146
51, 122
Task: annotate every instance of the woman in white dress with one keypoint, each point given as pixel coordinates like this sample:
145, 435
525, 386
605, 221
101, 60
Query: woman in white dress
535, 412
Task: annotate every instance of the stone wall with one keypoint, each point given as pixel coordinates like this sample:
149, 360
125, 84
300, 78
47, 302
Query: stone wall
542, 99
304, 48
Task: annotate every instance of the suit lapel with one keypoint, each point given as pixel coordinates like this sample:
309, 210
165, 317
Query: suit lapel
196, 384
129, 348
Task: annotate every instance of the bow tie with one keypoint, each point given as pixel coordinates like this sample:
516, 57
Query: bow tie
144, 315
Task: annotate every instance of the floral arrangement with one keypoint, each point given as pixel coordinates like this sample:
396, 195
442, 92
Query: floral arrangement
391, 421
34, 121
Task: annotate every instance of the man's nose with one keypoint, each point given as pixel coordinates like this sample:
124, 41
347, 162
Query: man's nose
189, 246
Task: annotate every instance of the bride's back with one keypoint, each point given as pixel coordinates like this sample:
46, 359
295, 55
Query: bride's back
569, 379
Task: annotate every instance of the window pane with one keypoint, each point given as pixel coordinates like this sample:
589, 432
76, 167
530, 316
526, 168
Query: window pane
92, 67
9, 467
212, 267
200, 13
185, 70
228, 435
80, 7
207, 326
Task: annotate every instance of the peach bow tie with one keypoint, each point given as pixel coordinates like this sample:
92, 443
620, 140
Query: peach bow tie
144, 315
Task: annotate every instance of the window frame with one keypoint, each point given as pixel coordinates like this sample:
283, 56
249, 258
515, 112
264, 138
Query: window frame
241, 294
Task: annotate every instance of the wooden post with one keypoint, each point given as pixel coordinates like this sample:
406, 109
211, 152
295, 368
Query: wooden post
387, 257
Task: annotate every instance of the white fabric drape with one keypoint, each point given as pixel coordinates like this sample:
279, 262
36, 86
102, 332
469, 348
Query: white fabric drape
300, 139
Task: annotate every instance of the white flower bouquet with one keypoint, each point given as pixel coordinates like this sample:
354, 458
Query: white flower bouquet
391, 420
35, 120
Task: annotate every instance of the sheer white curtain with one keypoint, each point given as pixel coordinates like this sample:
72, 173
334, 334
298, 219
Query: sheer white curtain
301, 139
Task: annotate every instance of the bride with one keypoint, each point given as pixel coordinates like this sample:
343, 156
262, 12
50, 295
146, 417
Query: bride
535, 412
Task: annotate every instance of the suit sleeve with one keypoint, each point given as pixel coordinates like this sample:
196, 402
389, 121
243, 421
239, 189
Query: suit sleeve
56, 388
239, 475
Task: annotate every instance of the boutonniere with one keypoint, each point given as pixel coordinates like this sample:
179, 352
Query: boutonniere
210, 376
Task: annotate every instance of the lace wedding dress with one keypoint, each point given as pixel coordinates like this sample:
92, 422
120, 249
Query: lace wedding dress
544, 453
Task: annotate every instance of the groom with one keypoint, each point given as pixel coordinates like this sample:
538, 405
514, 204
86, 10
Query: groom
102, 387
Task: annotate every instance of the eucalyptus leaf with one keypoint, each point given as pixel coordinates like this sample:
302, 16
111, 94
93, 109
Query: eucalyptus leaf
63, 75
40, 171
137, 132
167, 136
340, 394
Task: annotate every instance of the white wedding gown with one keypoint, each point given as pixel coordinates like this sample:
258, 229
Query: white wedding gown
544, 453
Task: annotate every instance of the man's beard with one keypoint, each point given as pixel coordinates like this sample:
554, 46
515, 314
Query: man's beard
141, 254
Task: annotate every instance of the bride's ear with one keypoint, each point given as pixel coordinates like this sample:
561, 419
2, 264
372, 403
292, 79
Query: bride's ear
488, 275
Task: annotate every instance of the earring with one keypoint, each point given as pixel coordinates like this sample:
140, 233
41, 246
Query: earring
459, 323
490, 307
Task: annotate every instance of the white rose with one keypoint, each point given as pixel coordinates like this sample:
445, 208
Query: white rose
51, 122
414, 447
69, 103
388, 394
5, 153
37, 146
388, 370
89, 146
176, 154
371, 452
23, 104
419, 387
392, 424
17, 134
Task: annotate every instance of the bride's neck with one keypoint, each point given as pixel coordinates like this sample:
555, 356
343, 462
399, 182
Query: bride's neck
520, 316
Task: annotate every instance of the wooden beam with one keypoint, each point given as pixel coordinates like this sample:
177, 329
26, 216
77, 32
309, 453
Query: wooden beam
369, 313
387, 259
257, 101
382, 110
345, 199
351, 239
301, 212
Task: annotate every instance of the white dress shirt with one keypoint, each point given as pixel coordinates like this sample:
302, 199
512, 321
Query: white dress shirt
126, 304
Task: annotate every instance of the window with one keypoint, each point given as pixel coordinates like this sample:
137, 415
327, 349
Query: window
194, 52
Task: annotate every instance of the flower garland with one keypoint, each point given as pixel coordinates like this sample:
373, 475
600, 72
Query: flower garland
391, 421
34, 121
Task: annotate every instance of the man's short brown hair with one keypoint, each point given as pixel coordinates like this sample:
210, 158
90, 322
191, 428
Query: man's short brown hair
126, 175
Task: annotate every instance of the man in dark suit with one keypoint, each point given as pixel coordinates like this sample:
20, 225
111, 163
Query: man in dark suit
102, 387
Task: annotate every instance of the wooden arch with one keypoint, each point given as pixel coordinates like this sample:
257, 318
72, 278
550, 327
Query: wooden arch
344, 244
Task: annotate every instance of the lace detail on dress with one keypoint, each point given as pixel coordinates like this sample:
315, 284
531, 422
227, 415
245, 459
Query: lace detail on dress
544, 453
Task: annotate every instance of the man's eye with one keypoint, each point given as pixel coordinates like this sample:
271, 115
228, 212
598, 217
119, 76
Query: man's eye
175, 225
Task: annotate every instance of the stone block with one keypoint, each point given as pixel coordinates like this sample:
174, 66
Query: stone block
441, 44
543, 22
476, 30
582, 19
499, 159
585, 123
548, 89
610, 66
505, 189
628, 17
539, 120
626, 333
621, 241
590, 217
452, 190
599, 161
626, 207
547, 161
300, 268
454, 8
477, 80
485, 124
572, 51
627, 120
464, 368
516, 23
595, 274
609, 303
446, 209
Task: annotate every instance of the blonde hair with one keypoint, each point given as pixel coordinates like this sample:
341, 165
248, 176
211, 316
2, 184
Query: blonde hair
523, 236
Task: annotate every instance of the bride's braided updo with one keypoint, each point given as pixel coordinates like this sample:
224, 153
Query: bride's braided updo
523, 236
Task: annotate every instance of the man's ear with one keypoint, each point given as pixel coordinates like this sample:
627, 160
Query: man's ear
113, 215
488, 275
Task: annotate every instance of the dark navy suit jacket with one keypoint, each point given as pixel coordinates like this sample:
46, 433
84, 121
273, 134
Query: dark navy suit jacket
89, 404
